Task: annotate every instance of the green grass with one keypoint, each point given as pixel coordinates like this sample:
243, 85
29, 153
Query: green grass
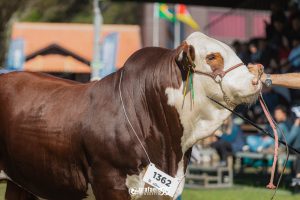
2, 190
234, 193
237, 193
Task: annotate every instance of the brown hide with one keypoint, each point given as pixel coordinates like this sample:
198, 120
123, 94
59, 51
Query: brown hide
57, 136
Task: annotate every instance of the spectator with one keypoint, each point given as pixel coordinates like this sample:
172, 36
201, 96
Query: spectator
295, 28
244, 54
230, 140
258, 143
292, 11
277, 15
255, 54
293, 137
236, 46
294, 57
266, 54
281, 117
241, 49
277, 36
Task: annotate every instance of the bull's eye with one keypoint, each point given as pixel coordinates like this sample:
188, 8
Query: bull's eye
211, 57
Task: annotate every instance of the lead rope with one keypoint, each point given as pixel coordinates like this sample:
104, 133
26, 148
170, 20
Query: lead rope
271, 122
264, 106
125, 113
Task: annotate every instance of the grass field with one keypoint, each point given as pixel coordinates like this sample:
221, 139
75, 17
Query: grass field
237, 193
234, 193
2, 191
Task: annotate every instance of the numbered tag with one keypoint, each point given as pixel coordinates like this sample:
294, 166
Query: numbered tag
161, 181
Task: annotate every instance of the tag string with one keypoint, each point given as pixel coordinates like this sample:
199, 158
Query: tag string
126, 116
125, 113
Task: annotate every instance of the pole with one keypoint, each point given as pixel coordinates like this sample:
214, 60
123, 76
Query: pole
96, 63
155, 24
177, 27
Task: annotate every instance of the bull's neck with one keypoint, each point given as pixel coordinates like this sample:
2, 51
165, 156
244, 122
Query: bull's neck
164, 117
200, 119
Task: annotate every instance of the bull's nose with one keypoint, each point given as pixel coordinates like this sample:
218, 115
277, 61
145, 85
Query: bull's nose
255, 81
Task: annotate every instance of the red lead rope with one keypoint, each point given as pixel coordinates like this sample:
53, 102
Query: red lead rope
271, 122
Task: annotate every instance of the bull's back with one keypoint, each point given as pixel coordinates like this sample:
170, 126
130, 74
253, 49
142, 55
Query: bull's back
40, 125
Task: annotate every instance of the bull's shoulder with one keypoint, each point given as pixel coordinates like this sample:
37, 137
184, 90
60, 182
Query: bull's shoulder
26, 77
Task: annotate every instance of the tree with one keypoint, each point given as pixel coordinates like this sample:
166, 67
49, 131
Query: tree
61, 11
34, 10
8, 10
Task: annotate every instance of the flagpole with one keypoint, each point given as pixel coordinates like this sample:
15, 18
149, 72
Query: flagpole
96, 62
176, 29
155, 24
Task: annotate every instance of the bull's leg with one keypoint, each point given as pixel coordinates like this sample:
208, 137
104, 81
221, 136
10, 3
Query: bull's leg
14, 192
102, 193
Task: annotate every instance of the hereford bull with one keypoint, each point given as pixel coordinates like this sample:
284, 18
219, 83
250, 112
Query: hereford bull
58, 136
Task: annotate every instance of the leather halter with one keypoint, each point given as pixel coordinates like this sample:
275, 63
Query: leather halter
218, 75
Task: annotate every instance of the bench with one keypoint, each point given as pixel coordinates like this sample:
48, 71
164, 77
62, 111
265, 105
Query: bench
199, 176
265, 157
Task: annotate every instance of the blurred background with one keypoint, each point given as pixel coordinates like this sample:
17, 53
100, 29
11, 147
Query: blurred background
85, 40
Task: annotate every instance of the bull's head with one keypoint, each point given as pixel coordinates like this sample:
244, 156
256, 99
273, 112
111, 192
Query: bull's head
200, 53
211, 58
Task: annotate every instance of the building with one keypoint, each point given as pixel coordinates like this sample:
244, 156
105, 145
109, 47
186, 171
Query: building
65, 49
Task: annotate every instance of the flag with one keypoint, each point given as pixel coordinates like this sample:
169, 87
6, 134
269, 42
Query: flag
165, 12
183, 15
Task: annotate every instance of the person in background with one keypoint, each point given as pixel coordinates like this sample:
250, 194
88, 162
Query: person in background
293, 139
258, 143
229, 140
242, 50
295, 28
294, 57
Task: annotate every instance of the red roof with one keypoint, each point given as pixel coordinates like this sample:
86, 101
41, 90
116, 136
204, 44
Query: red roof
77, 38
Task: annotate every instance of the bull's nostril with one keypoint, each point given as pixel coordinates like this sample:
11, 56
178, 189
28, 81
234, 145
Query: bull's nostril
255, 81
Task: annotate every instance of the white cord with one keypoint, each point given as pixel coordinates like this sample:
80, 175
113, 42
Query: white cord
128, 118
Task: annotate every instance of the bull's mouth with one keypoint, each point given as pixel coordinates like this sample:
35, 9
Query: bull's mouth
250, 98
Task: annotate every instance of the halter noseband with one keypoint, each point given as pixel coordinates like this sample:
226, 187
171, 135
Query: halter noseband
218, 75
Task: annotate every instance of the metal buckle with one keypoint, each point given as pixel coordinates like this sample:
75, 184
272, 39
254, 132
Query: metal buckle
218, 78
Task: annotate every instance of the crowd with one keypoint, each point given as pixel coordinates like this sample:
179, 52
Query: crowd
278, 52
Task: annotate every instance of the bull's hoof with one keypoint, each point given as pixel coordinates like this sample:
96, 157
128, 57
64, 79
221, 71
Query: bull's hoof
271, 186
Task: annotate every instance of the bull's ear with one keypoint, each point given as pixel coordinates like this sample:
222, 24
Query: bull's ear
185, 57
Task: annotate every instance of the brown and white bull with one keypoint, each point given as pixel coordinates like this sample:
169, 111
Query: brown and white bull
57, 136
